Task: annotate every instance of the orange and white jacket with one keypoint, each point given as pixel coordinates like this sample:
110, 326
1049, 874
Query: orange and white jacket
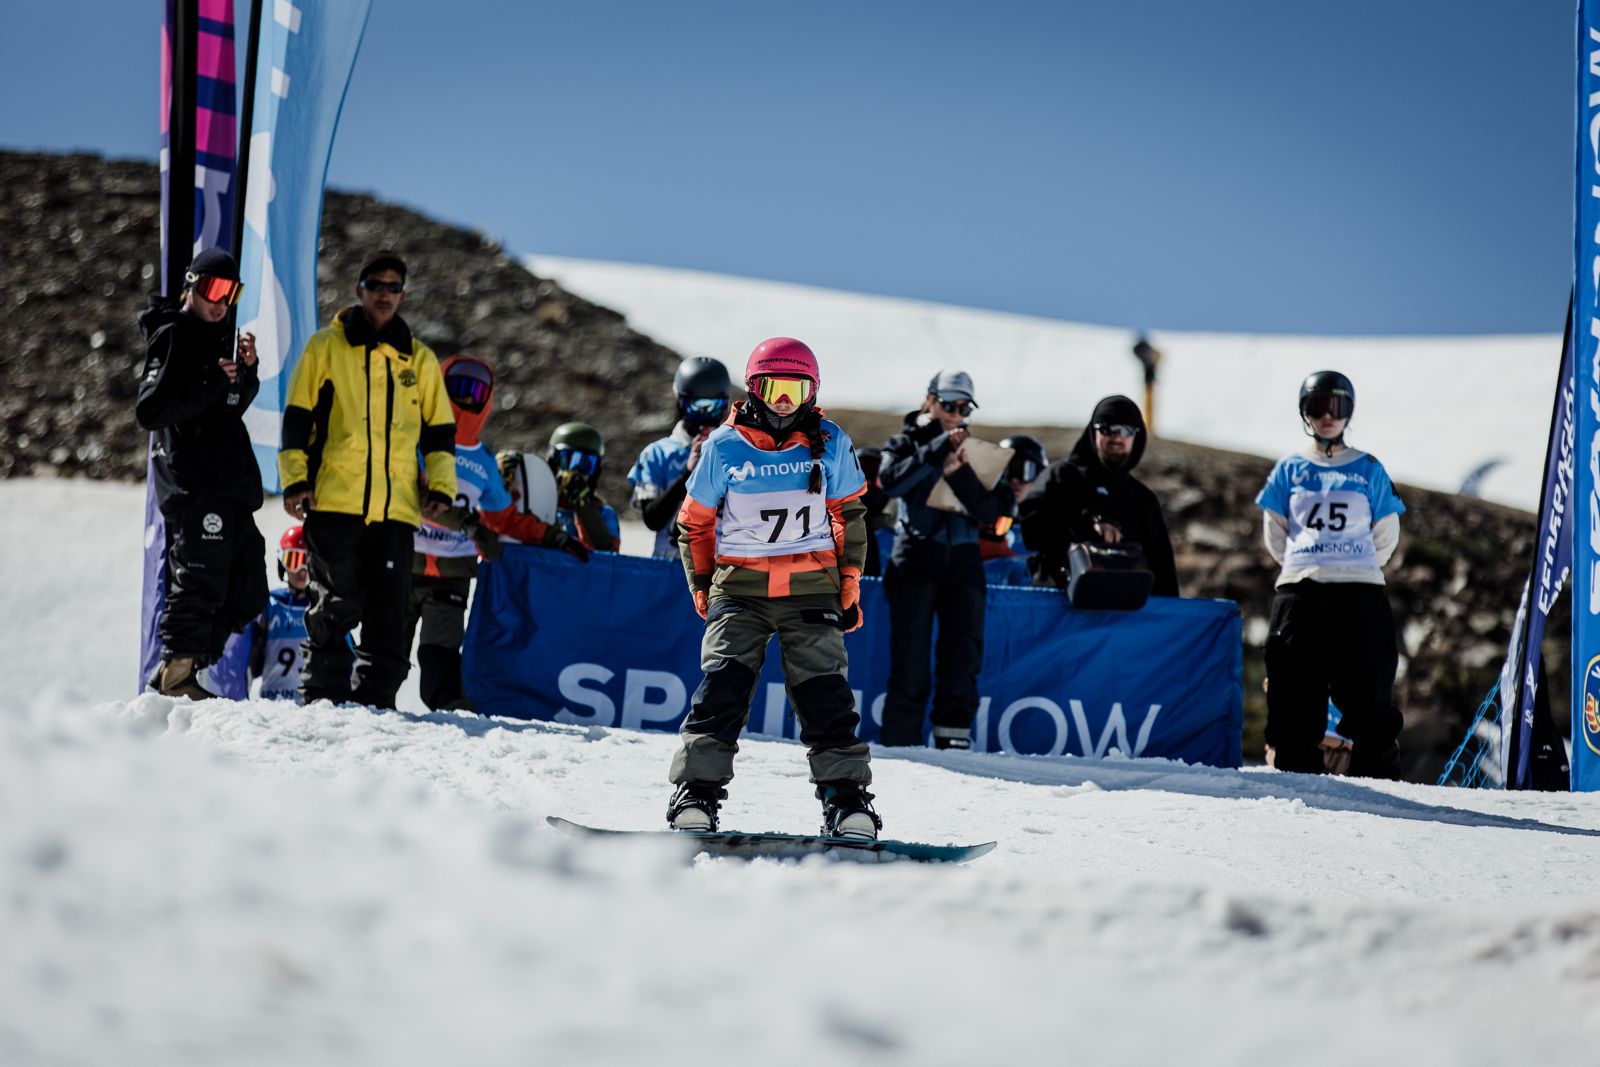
749, 525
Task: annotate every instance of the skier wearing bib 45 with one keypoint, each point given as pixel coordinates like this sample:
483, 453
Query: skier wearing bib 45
1332, 520
773, 536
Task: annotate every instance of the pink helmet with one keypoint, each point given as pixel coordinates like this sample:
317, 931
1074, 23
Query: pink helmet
782, 356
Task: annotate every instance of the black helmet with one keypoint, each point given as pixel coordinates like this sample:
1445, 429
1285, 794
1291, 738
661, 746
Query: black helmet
702, 385
701, 376
1329, 391
1029, 459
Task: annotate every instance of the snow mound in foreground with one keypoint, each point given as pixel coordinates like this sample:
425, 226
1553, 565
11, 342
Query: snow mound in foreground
260, 883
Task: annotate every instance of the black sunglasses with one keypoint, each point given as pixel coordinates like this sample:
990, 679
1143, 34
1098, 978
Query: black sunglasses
1116, 429
372, 285
958, 407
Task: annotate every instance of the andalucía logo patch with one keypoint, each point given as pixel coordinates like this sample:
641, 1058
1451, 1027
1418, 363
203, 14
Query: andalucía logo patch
1591, 706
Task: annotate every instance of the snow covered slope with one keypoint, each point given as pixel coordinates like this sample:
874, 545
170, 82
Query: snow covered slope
248, 883
255, 883
1433, 409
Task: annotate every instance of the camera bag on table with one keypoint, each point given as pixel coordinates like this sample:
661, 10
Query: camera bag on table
1108, 577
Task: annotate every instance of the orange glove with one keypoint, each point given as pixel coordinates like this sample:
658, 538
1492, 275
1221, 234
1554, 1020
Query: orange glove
702, 602
850, 600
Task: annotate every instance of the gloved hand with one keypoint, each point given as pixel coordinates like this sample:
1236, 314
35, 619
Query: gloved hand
435, 504
702, 602
556, 537
850, 599
487, 541
575, 488
849, 587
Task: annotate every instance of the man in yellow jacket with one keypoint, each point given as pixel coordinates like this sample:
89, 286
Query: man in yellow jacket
366, 399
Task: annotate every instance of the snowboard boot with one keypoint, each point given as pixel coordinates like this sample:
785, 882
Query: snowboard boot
693, 808
178, 677
847, 811
953, 737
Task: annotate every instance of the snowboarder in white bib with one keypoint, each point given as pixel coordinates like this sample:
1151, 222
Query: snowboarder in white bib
773, 536
1331, 518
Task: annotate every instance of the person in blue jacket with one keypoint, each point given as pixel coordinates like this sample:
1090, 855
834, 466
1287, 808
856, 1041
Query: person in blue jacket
661, 473
936, 569
1331, 519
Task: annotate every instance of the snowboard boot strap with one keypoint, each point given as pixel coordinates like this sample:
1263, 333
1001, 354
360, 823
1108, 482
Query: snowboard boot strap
693, 808
847, 811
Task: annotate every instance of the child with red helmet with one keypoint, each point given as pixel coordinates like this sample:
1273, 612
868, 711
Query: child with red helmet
279, 632
773, 536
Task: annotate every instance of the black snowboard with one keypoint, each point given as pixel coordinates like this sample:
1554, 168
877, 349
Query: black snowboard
790, 846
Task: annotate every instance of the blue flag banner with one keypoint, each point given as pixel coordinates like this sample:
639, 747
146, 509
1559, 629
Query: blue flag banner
1586, 388
306, 56
616, 642
1551, 566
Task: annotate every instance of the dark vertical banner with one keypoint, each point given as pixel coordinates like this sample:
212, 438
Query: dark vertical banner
1586, 391
199, 146
1552, 564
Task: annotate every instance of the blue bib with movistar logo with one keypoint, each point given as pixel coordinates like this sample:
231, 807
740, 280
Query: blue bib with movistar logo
767, 506
1331, 509
479, 487
657, 468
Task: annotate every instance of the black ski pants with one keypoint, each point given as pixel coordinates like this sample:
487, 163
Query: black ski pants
360, 573
1333, 640
216, 576
439, 606
955, 598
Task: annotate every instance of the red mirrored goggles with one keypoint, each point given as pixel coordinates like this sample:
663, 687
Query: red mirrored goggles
293, 559
772, 388
216, 290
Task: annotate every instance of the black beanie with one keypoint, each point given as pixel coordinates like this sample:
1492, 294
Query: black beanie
1118, 411
216, 263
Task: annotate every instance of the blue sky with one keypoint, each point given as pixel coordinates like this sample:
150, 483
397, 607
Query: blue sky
1371, 166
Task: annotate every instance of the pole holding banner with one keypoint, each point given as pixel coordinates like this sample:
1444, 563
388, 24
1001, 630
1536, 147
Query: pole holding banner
1585, 343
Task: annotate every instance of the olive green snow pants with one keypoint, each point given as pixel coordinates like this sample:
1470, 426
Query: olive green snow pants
731, 654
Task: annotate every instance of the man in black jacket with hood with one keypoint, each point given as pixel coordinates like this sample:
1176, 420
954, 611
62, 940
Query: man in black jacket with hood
1092, 496
193, 395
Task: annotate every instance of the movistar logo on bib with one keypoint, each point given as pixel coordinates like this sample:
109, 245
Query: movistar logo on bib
749, 469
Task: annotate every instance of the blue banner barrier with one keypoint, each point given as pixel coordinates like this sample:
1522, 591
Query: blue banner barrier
616, 642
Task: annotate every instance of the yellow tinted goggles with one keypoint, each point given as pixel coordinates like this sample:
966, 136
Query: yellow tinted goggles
772, 389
